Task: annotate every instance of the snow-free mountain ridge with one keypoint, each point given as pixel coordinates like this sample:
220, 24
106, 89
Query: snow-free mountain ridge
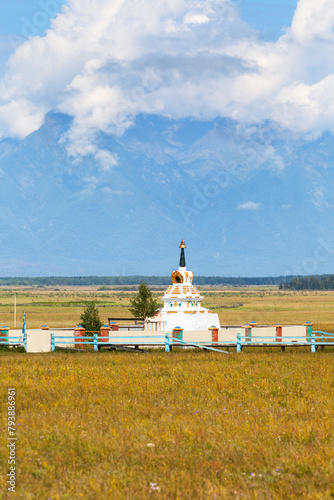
247, 200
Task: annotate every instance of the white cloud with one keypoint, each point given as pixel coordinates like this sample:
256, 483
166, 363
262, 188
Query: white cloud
195, 19
249, 205
106, 159
313, 19
105, 62
115, 192
20, 116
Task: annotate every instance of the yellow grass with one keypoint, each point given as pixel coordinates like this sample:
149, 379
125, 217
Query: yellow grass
63, 307
256, 425
197, 425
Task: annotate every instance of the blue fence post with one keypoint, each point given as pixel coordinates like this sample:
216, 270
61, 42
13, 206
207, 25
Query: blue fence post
53, 345
167, 343
96, 342
313, 345
239, 342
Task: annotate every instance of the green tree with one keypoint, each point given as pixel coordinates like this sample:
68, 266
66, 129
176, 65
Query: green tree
143, 305
90, 319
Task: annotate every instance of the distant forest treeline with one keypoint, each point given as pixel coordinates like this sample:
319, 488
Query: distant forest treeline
135, 280
324, 282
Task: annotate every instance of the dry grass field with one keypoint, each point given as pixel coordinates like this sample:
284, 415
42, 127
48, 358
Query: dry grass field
265, 305
180, 425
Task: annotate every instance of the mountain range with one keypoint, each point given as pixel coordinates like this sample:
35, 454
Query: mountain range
249, 200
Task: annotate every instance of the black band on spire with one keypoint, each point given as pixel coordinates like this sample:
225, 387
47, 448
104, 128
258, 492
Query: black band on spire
182, 258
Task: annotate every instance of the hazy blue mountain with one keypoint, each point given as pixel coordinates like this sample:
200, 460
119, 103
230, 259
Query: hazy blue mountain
247, 200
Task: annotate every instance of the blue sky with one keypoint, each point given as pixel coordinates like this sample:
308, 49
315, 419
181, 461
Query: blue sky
268, 16
15, 15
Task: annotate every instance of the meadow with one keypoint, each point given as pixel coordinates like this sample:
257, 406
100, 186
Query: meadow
265, 305
180, 425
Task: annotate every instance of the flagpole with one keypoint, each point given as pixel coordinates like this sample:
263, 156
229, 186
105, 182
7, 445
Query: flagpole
24, 323
15, 310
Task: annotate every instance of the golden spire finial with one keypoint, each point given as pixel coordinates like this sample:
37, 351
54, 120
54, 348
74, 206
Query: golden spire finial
182, 244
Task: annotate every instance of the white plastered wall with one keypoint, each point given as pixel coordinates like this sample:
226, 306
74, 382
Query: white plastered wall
16, 335
64, 333
229, 333
38, 340
295, 331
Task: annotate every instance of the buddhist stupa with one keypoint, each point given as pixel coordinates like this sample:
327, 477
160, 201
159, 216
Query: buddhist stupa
183, 303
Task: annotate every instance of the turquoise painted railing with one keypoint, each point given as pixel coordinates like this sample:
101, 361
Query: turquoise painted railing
325, 339
126, 340
169, 341
56, 339
324, 335
12, 340
202, 345
242, 341
97, 341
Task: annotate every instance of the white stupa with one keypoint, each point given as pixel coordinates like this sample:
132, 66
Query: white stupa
183, 303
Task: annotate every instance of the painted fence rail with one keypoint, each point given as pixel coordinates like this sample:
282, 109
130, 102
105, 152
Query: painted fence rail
168, 341
325, 339
13, 341
207, 346
98, 341
124, 340
324, 335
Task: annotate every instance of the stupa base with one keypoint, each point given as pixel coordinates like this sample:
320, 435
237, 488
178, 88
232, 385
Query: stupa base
193, 321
